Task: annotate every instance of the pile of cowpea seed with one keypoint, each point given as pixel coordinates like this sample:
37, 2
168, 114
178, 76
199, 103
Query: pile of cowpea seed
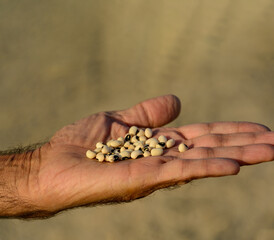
137, 143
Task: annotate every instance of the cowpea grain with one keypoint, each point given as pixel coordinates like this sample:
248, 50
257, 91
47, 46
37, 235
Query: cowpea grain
182, 147
127, 137
157, 152
125, 155
162, 139
142, 138
170, 143
97, 150
148, 133
90, 154
147, 148
105, 149
131, 147
100, 157
134, 139
153, 142
122, 149
133, 130
159, 146
109, 143
127, 144
99, 145
139, 147
121, 139
147, 154
136, 154
141, 133
115, 143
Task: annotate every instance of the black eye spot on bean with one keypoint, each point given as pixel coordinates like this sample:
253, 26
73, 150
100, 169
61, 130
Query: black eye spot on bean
146, 148
162, 144
128, 137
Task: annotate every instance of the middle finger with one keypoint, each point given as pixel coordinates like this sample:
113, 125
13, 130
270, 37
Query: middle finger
234, 139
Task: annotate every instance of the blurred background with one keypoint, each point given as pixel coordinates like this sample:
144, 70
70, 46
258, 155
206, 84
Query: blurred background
63, 60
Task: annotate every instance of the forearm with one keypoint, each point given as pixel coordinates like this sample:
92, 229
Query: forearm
18, 179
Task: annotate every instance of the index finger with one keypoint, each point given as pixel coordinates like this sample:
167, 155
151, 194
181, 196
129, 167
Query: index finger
200, 129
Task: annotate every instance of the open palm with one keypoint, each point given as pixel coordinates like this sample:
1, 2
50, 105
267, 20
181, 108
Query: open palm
66, 178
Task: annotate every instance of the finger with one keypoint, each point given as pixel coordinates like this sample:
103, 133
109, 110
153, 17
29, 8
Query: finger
199, 129
236, 139
154, 112
245, 155
180, 171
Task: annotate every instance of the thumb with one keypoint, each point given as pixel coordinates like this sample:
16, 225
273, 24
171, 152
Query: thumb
154, 112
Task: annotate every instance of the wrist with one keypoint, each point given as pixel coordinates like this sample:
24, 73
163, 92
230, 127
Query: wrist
19, 183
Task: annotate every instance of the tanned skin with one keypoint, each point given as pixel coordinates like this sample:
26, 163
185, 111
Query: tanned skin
41, 181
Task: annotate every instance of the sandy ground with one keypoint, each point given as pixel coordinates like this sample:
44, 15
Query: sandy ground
63, 60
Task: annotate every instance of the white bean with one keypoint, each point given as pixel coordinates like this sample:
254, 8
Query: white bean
97, 150
136, 154
90, 154
116, 151
141, 133
159, 146
139, 147
148, 133
147, 154
142, 138
170, 143
157, 152
100, 157
109, 143
105, 150
127, 144
182, 147
125, 155
133, 130
113, 158
123, 149
153, 142
99, 145
148, 141
131, 147
115, 143
162, 139
121, 139
134, 139
137, 143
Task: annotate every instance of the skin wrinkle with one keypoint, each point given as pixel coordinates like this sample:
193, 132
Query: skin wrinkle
145, 114
226, 140
178, 106
115, 131
223, 127
210, 153
241, 151
29, 168
220, 140
104, 118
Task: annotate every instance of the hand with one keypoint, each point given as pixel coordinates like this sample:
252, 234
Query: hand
65, 178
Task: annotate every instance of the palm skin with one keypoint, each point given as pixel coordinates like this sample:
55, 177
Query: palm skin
66, 178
